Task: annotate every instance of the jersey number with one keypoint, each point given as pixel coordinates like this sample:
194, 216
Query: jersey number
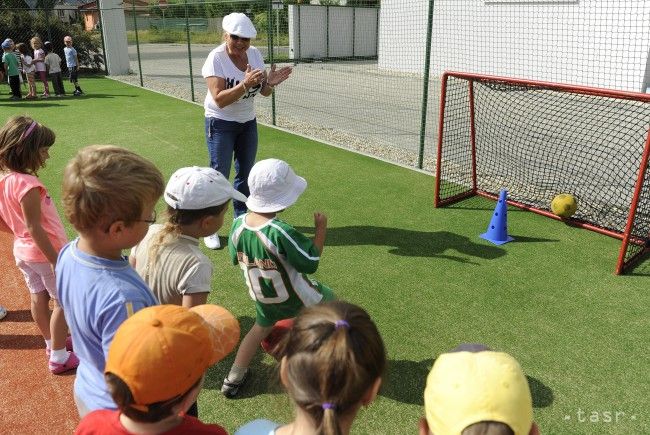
254, 277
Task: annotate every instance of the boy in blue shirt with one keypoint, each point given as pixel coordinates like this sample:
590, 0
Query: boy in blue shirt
109, 194
72, 61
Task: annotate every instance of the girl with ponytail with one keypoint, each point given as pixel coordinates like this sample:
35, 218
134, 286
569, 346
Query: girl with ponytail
332, 364
168, 258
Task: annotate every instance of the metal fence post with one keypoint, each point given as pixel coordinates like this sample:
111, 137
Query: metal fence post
189, 49
269, 41
327, 32
425, 85
47, 21
101, 32
137, 42
354, 30
377, 10
299, 32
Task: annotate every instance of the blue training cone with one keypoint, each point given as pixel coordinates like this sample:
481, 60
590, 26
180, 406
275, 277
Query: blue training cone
497, 232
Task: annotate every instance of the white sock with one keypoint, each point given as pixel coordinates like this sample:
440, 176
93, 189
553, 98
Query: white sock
59, 356
236, 373
48, 344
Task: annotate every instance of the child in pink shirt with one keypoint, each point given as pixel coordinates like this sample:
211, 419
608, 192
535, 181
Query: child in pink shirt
27, 211
39, 63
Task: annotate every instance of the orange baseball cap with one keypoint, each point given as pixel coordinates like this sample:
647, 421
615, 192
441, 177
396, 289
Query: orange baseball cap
161, 351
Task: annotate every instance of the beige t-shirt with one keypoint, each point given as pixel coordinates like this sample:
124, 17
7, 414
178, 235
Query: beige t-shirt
180, 267
53, 62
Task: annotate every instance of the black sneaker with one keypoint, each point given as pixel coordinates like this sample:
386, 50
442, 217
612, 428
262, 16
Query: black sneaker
230, 389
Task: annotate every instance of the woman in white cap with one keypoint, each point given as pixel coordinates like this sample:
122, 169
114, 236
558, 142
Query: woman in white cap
235, 73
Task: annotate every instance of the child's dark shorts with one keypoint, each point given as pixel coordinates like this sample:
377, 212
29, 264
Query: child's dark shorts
73, 74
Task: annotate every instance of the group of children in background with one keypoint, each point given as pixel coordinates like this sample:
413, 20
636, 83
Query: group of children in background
20, 64
119, 310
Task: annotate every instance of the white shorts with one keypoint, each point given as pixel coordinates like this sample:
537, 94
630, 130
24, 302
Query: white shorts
38, 276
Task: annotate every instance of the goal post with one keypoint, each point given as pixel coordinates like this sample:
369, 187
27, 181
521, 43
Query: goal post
539, 139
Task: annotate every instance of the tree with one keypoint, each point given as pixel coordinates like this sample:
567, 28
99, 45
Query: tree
14, 4
21, 25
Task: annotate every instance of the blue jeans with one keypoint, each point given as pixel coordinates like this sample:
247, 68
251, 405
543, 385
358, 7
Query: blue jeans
228, 138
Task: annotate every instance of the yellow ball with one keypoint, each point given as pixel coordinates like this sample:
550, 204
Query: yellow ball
564, 205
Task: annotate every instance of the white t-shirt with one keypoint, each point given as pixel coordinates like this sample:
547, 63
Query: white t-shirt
218, 64
28, 64
39, 54
53, 62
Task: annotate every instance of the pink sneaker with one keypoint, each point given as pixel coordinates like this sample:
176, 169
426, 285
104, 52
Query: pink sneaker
68, 345
70, 364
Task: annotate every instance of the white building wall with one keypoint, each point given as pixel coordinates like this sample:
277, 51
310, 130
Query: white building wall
114, 29
602, 43
317, 32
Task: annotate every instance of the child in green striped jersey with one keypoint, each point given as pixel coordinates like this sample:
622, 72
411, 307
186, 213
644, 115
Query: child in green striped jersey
274, 258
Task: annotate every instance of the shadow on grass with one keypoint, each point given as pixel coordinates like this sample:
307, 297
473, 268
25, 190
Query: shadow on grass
542, 395
524, 239
29, 103
405, 380
641, 267
410, 243
60, 101
263, 378
479, 203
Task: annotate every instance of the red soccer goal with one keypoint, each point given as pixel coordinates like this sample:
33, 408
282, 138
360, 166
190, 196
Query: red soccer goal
539, 139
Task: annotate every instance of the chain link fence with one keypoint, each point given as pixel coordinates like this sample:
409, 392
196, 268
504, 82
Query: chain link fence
367, 72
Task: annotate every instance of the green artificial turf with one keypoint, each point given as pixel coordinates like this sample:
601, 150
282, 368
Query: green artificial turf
549, 298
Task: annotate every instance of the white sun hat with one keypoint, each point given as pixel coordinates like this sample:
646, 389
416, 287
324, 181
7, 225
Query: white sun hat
273, 186
196, 188
239, 24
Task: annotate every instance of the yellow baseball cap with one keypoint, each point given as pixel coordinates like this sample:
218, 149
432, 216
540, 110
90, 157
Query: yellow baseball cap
467, 387
161, 351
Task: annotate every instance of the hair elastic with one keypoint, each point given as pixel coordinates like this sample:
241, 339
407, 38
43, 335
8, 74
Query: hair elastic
29, 130
328, 405
341, 324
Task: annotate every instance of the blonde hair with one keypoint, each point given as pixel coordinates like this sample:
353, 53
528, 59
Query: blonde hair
334, 354
36, 40
176, 218
21, 139
105, 183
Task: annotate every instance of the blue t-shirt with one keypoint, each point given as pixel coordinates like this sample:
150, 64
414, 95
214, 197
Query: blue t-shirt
258, 427
97, 295
70, 56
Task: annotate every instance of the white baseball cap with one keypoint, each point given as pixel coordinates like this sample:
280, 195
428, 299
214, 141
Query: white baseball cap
195, 188
239, 24
273, 186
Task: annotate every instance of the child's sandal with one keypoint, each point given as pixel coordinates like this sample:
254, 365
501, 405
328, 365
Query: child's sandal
230, 389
